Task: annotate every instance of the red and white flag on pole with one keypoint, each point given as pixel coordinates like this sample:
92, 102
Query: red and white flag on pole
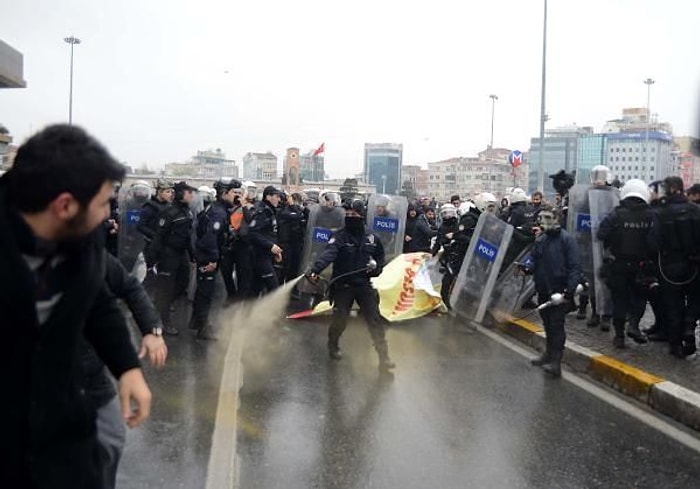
321, 149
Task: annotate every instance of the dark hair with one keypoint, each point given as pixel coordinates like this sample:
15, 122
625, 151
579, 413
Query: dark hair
673, 183
536, 193
61, 158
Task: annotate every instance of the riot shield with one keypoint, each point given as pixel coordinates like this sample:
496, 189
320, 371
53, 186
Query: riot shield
477, 277
322, 223
130, 240
512, 288
578, 225
386, 217
602, 202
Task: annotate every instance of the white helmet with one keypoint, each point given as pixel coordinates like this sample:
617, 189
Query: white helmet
208, 194
600, 175
448, 211
251, 189
635, 188
486, 202
518, 195
465, 207
141, 189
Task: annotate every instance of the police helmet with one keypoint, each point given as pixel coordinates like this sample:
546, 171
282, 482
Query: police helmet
331, 198
140, 189
251, 189
518, 195
355, 205
635, 188
208, 194
224, 184
600, 175
486, 202
465, 208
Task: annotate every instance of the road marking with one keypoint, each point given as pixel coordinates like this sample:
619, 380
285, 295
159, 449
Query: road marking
221, 469
650, 419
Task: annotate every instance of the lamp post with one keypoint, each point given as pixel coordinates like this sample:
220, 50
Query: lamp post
543, 117
493, 113
72, 40
648, 82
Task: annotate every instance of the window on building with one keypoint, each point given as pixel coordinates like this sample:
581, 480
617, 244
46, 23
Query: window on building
652, 158
617, 158
651, 168
636, 168
636, 158
617, 149
623, 158
624, 150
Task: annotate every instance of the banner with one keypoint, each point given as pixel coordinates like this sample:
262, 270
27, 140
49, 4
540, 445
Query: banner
407, 289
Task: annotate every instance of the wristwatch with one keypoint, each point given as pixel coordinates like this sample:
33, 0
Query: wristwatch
157, 331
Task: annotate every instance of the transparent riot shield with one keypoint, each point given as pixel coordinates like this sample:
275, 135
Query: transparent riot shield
130, 240
386, 216
477, 277
322, 223
512, 287
602, 202
578, 225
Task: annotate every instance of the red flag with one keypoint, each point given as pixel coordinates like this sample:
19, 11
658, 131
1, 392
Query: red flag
321, 149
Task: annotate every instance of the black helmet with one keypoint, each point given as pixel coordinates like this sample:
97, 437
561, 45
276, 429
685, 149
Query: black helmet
224, 184
355, 205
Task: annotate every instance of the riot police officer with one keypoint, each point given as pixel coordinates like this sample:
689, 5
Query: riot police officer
211, 232
263, 231
356, 255
675, 236
152, 209
445, 235
171, 252
520, 213
292, 229
624, 233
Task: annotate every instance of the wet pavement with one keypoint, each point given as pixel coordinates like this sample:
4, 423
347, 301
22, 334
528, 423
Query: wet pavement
461, 411
172, 448
652, 357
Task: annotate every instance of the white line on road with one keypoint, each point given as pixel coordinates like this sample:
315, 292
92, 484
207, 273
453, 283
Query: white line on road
650, 419
221, 469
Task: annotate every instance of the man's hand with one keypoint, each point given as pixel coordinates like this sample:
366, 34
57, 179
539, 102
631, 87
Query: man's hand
536, 230
156, 349
313, 277
209, 267
114, 226
276, 250
449, 235
134, 390
408, 238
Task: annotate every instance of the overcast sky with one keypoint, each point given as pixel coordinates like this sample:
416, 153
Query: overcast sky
156, 80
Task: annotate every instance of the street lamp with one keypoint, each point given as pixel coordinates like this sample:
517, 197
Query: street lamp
72, 40
493, 113
648, 82
543, 116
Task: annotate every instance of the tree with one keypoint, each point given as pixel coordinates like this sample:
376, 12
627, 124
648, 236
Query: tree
408, 190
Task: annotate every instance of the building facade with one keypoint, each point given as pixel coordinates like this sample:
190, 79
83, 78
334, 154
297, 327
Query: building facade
560, 152
209, 164
644, 155
260, 166
313, 168
591, 153
382, 166
11, 67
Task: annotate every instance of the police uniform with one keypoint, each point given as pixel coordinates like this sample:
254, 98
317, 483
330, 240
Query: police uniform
171, 252
449, 257
263, 229
349, 253
292, 229
624, 232
675, 237
148, 221
212, 224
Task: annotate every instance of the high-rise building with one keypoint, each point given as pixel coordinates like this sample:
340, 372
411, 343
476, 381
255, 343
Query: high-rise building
686, 159
382, 166
644, 155
260, 166
591, 153
205, 164
560, 152
313, 167
5, 146
11, 67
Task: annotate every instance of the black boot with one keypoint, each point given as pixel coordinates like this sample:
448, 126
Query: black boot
541, 360
553, 367
689, 343
206, 333
677, 351
594, 322
634, 332
334, 349
581, 314
605, 323
619, 342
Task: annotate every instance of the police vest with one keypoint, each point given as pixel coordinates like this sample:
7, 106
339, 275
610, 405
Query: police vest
630, 238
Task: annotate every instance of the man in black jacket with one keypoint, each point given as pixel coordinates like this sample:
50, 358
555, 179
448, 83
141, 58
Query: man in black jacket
53, 296
152, 209
263, 230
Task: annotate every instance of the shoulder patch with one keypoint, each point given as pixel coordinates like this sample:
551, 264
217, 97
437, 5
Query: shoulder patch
161, 222
332, 240
217, 226
461, 227
370, 238
252, 223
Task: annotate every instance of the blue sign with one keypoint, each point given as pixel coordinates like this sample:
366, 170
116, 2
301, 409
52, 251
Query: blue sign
583, 223
133, 216
322, 235
386, 225
486, 250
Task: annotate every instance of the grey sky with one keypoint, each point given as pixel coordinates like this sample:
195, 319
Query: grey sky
150, 75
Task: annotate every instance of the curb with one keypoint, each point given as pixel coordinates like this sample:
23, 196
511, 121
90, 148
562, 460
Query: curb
663, 396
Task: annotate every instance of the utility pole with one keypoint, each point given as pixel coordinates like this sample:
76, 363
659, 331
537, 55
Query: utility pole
543, 117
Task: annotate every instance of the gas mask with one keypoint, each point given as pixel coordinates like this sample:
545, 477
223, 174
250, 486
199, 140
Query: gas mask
548, 221
355, 224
